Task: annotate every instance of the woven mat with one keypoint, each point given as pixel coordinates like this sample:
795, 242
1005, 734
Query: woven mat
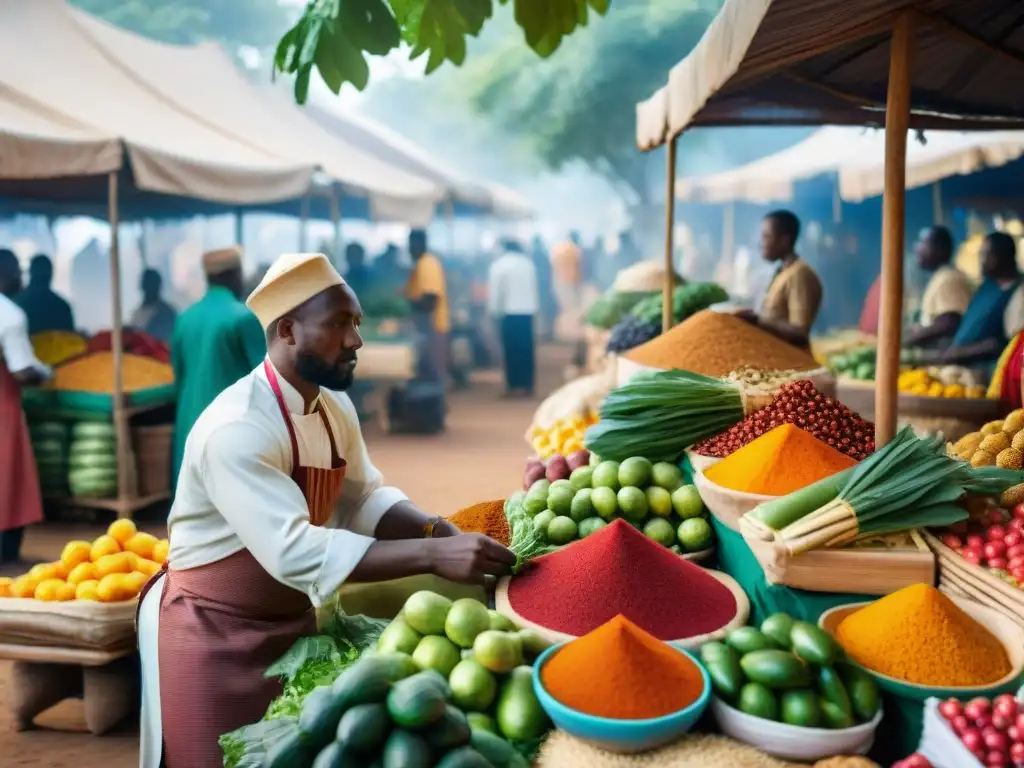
694, 751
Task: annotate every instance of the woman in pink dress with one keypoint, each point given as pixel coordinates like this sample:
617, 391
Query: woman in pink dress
21, 502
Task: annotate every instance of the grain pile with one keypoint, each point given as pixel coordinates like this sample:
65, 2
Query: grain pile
716, 344
95, 373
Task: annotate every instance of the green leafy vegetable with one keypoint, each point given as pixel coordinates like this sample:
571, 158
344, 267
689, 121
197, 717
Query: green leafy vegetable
526, 541
247, 747
310, 663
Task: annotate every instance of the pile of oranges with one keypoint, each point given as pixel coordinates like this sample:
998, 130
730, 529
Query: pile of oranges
111, 569
564, 436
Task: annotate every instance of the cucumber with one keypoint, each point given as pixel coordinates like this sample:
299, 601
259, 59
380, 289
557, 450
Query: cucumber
451, 731
405, 750
748, 639
478, 721
496, 750
775, 669
800, 707
289, 752
416, 702
811, 644
363, 728
464, 757
519, 714
777, 627
320, 714
725, 673
334, 755
834, 716
832, 690
862, 689
757, 700
369, 679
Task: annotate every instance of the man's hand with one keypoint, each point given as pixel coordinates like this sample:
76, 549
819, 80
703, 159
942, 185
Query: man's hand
748, 315
445, 529
469, 558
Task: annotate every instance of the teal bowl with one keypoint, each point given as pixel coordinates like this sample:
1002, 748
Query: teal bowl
622, 736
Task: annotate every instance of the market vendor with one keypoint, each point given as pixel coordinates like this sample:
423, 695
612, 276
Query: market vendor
21, 502
216, 342
45, 310
278, 504
947, 295
996, 312
154, 316
427, 291
791, 303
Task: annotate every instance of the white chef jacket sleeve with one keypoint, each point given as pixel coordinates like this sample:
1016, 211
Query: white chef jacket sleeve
364, 497
241, 464
495, 289
15, 347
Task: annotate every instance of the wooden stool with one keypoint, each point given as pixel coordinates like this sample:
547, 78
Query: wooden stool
107, 683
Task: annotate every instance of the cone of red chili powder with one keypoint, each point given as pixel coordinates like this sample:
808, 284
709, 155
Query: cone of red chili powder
616, 571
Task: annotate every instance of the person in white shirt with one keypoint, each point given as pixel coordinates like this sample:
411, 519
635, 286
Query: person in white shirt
21, 502
513, 300
947, 295
277, 505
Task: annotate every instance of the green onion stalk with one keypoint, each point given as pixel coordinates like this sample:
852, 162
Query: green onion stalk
909, 483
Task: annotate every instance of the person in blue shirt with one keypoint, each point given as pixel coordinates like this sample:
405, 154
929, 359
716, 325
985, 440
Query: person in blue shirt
45, 310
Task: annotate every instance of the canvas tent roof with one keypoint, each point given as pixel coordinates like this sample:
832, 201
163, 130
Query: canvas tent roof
202, 81
62, 84
857, 156
819, 62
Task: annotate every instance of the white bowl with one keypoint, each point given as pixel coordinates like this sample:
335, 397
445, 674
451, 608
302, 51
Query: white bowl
725, 505
701, 463
791, 742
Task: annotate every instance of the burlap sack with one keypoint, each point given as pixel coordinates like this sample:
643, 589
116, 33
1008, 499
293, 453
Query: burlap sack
80, 624
692, 751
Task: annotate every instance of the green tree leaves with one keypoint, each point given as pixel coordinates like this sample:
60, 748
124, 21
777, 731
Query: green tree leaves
334, 37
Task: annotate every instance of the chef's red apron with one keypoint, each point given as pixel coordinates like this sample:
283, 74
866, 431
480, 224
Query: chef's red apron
21, 501
221, 625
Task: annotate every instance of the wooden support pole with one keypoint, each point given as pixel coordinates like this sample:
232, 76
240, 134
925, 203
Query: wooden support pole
339, 241
897, 120
240, 228
670, 227
938, 215
304, 224
729, 237
449, 215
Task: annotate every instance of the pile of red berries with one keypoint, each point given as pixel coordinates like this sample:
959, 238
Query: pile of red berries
993, 540
992, 731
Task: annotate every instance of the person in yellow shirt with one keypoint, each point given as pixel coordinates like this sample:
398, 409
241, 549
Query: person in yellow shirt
427, 292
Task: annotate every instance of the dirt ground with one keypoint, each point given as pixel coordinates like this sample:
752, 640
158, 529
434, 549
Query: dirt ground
480, 457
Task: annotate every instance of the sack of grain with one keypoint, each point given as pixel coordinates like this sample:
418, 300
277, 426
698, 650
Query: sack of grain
642, 277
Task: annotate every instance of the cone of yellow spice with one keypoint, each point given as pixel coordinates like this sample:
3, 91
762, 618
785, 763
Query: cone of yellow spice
920, 636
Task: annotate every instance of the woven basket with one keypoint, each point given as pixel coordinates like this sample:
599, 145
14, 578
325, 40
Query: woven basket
153, 447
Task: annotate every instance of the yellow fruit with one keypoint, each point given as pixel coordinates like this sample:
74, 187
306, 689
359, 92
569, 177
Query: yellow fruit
147, 567
160, 550
87, 590
45, 571
121, 531
5, 586
66, 592
82, 572
122, 562
954, 390
103, 546
134, 582
24, 586
1009, 458
975, 391
47, 590
1018, 441
982, 459
1000, 441
76, 552
141, 544
992, 427
111, 588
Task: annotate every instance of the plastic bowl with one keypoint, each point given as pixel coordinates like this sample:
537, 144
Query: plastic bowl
1008, 632
792, 742
622, 736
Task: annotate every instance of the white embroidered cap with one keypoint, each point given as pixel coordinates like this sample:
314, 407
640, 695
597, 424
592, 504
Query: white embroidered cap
291, 280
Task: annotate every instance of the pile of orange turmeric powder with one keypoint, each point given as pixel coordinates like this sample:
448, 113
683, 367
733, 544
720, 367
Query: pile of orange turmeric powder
487, 517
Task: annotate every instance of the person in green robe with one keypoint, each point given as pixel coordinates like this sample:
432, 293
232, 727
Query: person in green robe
216, 342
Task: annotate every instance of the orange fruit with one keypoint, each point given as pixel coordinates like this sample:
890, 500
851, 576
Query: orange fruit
122, 562
134, 582
48, 589
104, 545
147, 567
111, 588
5, 586
121, 531
24, 586
160, 550
76, 552
87, 590
66, 592
45, 571
82, 572
142, 545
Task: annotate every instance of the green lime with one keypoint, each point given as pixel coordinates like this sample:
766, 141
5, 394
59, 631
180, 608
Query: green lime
535, 503
399, 637
606, 475
426, 612
560, 500
659, 501
686, 502
501, 622
590, 525
605, 502
560, 484
473, 687
635, 471
633, 503
666, 475
437, 653
561, 530
581, 478
541, 487
594, 460
582, 507
695, 534
467, 618
660, 530
540, 522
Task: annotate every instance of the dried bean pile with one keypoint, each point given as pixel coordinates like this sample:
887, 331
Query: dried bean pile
799, 403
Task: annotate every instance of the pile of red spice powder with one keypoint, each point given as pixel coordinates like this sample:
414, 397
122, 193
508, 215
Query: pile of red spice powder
616, 571
801, 404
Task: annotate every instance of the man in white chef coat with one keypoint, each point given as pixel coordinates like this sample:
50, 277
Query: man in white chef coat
277, 505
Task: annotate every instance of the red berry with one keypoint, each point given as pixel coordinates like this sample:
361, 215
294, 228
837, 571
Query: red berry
994, 549
1017, 753
997, 562
1005, 705
1013, 538
974, 541
952, 541
972, 739
995, 532
950, 709
973, 556
1018, 512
